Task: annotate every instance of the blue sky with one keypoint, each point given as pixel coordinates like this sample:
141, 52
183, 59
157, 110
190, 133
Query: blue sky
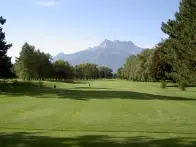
72, 25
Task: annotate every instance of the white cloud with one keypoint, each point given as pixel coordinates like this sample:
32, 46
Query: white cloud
48, 3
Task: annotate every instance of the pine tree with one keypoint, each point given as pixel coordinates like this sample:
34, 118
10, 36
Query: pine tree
182, 42
5, 61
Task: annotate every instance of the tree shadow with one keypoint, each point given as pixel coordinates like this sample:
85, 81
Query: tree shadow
69, 81
90, 88
176, 85
37, 91
37, 140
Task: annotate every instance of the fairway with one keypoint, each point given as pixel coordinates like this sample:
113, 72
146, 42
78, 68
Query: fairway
108, 113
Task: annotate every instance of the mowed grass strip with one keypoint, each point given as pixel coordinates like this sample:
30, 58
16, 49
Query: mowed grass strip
107, 107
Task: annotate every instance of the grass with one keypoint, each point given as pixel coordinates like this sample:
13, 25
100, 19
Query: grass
109, 113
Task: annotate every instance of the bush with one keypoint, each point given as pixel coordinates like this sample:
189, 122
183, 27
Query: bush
182, 86
163, 84
14, 83
41, 84
4, 85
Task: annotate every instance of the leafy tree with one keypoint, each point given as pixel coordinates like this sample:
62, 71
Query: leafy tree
78, 72
105, 72
119, 73
173, 58
25, 64
129, 68
141, 61
44, 68
33, 64
137, 68
5, 61
89, 70
63, 70
160, 69
86, 71
182, 42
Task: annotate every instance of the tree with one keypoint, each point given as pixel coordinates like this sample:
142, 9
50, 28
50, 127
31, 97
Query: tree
105, 72
160, 69
137, 68
119, 73
129, 68
26, 63
44, 68
145, 60
78, 72
63, 70
5, 61
33, 64
182, 42
86, 71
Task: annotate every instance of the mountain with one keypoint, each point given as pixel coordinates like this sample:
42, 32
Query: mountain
109, 53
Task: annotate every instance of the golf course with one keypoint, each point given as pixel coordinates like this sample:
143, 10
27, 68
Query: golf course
97, 113
98, 73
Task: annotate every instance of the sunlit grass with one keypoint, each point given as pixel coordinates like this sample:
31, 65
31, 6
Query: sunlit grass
118, 109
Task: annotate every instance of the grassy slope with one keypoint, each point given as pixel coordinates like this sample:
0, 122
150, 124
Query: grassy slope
107, 113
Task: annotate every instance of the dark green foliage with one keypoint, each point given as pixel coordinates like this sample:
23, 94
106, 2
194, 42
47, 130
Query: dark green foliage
119, 73
105, 72
163, 84
33, 64
182, 86
137, 68
63, 70
182, 42
5, 61
41, 84
3, 86
172, 59
14, 83
160, 69
86, 71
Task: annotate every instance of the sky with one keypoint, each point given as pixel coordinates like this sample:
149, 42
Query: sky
69, 26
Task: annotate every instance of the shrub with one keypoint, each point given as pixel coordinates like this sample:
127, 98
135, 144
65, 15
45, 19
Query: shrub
4, 86
40, 84
14, 83
163, 84
182, 86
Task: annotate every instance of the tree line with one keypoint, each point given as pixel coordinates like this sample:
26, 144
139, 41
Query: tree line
148, 66
172, 59
32, 64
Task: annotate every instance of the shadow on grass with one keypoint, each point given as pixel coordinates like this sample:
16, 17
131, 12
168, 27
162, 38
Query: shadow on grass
34, 90
176, 85
69, 81
90, 88
35, 140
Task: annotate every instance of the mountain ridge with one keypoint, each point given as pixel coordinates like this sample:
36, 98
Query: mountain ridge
103, 54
